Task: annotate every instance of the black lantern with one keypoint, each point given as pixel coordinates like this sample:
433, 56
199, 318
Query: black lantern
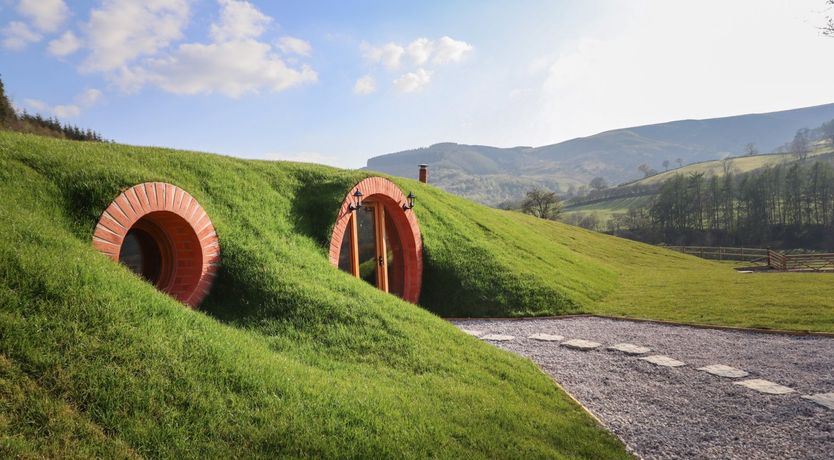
357, 201
410, 203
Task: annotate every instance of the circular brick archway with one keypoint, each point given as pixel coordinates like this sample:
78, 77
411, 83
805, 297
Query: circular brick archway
185, 250
384, 192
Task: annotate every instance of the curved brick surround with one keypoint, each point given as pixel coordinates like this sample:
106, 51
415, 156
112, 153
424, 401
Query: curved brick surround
193, 251
383, 191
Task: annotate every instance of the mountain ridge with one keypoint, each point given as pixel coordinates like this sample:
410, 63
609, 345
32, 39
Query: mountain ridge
491, 175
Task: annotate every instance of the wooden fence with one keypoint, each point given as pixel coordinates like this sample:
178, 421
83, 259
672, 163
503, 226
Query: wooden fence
724, 253
800, 262
775, 260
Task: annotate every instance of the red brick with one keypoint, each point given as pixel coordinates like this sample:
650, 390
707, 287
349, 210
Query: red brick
196, 248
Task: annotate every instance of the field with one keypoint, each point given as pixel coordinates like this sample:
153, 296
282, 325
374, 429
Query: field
605, 209
291, 356
736, 164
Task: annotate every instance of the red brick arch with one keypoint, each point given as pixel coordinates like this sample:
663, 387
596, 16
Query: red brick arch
193, 251
386, 192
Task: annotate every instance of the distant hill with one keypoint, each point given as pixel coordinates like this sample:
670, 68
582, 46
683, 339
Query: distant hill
491, 175
640, 193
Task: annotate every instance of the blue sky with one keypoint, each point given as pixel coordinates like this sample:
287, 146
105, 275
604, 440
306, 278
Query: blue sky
338, 82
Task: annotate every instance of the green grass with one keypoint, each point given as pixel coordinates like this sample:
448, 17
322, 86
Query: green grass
737, 165
655, 283
605, 209
290, 357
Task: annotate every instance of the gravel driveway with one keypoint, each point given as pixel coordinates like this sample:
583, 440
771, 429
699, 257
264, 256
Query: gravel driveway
681, 412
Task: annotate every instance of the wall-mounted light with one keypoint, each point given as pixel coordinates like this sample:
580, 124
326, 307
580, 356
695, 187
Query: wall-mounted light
357, 201
410, 203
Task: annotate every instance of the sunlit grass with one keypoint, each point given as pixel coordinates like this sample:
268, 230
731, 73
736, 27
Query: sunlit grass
290, 357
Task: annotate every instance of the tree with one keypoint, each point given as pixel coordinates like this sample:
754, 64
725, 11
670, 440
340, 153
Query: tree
828, 29
680, 162
542, 203
646, 170
598, 183
7, 112
727, 165
666, 164
750, 149
828, 131
801, 144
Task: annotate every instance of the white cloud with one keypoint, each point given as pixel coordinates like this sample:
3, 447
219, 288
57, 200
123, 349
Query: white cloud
420, 50
413, 81
17, 35
239, 20
123, 30
389, 54
129, 44
232, 69
365, 85
66, 111
64, 45
89, 97
292, 45
86, 99
36, 104
447, 49
46, 15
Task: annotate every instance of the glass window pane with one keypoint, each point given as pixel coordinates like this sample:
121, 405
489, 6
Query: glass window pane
396, 264
367, 244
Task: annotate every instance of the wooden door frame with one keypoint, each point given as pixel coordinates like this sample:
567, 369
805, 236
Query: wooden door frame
381, 247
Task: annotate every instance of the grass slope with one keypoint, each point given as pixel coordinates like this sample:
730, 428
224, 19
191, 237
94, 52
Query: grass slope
605, 209
291, 357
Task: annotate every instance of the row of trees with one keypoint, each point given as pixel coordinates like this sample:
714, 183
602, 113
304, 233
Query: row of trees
791, 204
36, 124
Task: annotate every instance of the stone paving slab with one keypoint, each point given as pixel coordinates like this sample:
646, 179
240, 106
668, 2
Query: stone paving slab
473, 332
823, 399
546, 337
579, 344
722, 370
664, 361
497, 337
765, 386
630, 348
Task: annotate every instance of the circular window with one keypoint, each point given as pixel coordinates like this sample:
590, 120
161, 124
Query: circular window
162, 234
380, 241
141, 254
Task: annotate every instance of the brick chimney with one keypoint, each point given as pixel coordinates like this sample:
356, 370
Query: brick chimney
424, 173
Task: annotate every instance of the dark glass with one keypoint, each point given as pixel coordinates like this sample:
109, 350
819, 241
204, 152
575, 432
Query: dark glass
141, 254
367, 244
345, 251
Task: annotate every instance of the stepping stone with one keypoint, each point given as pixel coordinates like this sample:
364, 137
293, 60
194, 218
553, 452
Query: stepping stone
664, 361
472, 332
630, 348
724, 371
497, 337
823, 399
579, 344
546, 337
765, 386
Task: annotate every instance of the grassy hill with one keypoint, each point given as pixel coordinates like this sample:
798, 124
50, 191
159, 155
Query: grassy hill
605, 208
289, 355
492, 175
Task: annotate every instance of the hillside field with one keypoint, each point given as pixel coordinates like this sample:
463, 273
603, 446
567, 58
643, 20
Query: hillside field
290, 356
737, 165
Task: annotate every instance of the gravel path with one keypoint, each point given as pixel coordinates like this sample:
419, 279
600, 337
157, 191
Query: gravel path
662, 412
